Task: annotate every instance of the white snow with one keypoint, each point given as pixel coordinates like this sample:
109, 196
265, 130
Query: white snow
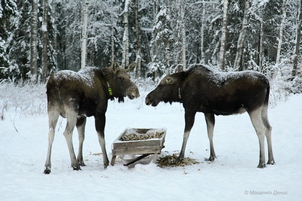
233, 175
86, 75
44, 27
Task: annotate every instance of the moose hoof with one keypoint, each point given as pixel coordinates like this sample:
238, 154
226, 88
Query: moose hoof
179, 159
76, 167
106, 165
47, 171
272, 162
261, 165
81, 163
211, 158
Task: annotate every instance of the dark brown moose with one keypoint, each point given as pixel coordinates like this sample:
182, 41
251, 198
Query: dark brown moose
200, 89
77, 95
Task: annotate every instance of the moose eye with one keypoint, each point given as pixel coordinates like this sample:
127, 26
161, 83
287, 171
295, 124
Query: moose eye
121, 79
170, 80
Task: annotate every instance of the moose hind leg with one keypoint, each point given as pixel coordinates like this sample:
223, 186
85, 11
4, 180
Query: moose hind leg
260, 130
268, 135
53, 117
81, 122
71, 117
210, 120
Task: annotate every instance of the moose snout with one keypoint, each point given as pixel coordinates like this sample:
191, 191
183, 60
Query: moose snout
151, 101
147, 101
133, 92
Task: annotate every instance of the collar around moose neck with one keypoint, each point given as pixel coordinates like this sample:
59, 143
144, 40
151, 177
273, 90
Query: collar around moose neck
179, 94
108, 87
109, 91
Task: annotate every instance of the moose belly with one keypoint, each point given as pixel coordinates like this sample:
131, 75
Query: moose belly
225, 108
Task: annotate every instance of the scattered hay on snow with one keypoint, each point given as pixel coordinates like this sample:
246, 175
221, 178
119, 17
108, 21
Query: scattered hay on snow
171, 161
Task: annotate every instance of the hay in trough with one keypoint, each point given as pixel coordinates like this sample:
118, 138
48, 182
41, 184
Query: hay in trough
171, 161
142, 134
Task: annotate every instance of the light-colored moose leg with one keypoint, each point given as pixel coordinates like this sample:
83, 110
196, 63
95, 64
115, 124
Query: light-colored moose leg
257, 122
100, 120
268, 135
210, 120
53, 117
189, 121
81, 122
71, 117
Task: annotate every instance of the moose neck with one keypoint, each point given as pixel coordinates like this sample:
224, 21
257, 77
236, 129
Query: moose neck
109, 89
180, 77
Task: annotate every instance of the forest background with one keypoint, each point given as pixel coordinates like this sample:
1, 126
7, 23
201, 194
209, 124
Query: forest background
38, 37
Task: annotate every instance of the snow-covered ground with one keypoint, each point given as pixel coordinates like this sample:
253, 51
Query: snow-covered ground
233, 175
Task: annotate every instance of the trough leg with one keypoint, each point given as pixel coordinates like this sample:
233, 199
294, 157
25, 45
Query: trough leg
268, 135
53, 119
189, 121
100, 121
210, 120
81, 122
71, 117
260, 130
155, 157
113, 160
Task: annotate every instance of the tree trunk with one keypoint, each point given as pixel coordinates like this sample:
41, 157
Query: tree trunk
241, 38
34, 41
125, 61
223, 35
298, 39
146, 48
45, 42
183, 34
112, 43
202, 59
281, 31
138, 42
84, 36
54, 13
260, 56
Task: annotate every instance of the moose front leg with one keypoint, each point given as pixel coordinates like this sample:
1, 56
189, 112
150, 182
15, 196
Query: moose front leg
189, 121
100, 121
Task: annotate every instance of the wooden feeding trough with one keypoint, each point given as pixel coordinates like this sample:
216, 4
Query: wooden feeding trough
138, 141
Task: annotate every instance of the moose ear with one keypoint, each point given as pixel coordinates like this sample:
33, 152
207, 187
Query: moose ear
115, 67
170, 80
130, 67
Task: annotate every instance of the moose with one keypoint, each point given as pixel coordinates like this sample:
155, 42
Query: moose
77, 95
202, 89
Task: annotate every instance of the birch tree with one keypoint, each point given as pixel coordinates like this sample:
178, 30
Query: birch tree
138, 41
260, 54
183, 35
223, 35
281, 31
298, 40
242, 34
34, 42
45, 41
202, 57
84, 35
125, 61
